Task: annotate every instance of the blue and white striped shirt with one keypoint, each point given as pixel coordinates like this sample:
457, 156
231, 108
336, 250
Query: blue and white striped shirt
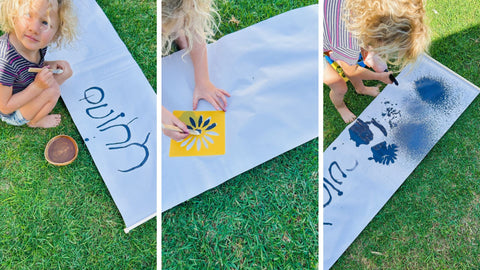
336, 38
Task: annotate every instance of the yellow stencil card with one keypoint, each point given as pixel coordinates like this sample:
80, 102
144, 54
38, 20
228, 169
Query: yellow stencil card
211, 141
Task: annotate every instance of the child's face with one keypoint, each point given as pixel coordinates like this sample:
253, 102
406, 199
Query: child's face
37, 28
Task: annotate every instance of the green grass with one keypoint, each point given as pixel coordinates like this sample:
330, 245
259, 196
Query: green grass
432, 221
265, 218
63, 217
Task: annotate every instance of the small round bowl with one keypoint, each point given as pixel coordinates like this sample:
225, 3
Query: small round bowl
61, 150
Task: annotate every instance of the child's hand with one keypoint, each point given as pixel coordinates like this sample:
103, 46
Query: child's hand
169, 119
385, 77
63, 65
44, 79
212, 94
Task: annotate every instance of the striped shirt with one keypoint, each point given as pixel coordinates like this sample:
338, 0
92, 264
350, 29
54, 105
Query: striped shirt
14, 67
336, 39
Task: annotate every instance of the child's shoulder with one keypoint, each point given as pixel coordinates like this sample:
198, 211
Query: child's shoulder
7, 51
4, 44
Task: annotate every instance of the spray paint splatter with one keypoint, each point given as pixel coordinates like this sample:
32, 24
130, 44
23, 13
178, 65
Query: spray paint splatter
360, 133
391, 114
431, 90
383, 153
414, 137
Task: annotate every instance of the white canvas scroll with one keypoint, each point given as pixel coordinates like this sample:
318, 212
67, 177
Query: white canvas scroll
271, 71
372, 157
114, 109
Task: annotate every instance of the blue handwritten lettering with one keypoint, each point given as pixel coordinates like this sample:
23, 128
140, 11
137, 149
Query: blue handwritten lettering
96, 95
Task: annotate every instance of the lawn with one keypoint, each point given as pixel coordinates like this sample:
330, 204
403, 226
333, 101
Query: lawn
63, 217
265, 218
432, 221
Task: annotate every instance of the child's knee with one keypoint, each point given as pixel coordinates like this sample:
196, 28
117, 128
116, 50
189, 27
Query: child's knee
339, 87
52, 93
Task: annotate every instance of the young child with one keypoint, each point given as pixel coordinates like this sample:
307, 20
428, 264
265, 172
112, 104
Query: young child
190, 23
392, 30
29, 27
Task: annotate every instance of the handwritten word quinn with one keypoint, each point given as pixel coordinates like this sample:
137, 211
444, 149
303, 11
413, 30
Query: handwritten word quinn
94, 96
332, 181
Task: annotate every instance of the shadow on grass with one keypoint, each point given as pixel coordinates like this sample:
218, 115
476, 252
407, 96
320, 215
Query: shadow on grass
460, 52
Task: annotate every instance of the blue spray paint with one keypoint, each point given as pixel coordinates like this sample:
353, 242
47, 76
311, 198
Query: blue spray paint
380, 127
414, 137
383, 153
391, 114
431, 90
360, 133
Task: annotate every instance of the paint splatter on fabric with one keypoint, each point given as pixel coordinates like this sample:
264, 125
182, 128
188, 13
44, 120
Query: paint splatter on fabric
383, 153
431, 90
414, 137
391, 114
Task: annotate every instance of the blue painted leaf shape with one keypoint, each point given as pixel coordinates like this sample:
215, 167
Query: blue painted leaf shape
200, 120
189, 127
211, 126
206, 122
193, 122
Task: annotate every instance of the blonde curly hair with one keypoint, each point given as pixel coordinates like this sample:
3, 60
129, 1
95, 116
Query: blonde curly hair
195, 19
395, 30
66, 33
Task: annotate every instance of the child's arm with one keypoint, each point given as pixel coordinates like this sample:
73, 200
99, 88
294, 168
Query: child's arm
204, 88
9, 103
357, 74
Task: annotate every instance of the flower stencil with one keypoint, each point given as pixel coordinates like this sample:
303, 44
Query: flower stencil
205, 130
210, 127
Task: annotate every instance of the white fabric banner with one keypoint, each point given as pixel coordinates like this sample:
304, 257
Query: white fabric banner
271, 71
114, 109
372, 157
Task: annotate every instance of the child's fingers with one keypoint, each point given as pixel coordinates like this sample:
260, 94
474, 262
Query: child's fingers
174, 135
181, 125
221, 95
214, 102
209, 99
195, 103
224, 92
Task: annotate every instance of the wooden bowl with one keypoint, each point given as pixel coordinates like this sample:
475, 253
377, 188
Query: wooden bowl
61, 150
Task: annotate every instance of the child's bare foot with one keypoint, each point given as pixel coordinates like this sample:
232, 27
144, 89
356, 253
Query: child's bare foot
346, 114
342, 109
369, 91
49, 121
